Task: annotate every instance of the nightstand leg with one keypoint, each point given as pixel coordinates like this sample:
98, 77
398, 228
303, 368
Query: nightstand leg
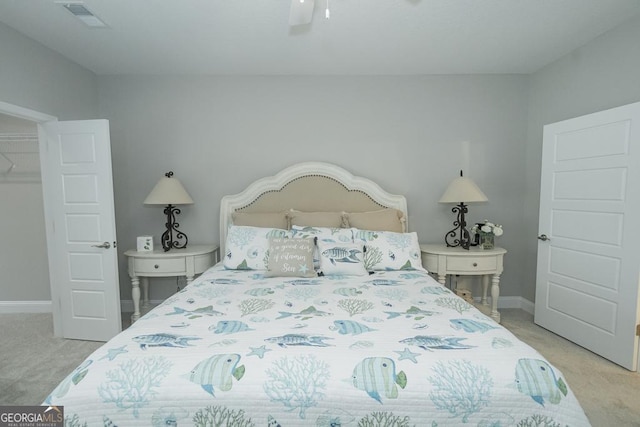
495, 293
442, 279
485, 289
145, 291
189, 279
135, 294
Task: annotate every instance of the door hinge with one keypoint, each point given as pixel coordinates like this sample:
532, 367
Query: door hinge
638, 330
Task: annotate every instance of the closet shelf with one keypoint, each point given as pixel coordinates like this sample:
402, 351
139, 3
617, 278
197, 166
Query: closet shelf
19, 157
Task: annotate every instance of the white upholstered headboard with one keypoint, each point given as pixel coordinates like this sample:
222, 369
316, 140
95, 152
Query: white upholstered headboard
309, 186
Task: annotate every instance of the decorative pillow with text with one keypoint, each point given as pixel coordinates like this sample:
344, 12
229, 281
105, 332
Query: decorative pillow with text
291, 258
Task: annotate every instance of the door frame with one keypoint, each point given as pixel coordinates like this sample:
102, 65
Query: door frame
25, 113
38, 117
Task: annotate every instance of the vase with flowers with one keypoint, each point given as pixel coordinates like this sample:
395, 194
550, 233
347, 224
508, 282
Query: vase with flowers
486, 233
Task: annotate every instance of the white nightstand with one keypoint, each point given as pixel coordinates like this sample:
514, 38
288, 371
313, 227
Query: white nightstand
443, 261
177, 262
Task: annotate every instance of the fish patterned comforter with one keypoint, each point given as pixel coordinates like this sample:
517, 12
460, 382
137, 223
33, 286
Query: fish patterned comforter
391, 349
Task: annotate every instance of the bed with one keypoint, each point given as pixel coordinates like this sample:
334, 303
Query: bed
263, 340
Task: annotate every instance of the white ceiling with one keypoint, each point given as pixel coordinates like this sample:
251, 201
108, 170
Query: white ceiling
391, 37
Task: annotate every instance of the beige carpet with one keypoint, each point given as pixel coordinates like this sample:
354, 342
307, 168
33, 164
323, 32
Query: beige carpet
609, 394
33, 362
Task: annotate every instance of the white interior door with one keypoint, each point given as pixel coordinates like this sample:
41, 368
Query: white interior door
80, 221
588, 269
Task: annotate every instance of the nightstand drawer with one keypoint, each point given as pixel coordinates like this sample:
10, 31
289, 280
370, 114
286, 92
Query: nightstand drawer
160, 266
471, 264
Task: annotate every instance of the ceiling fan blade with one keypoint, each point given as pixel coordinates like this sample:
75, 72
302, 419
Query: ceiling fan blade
301, 12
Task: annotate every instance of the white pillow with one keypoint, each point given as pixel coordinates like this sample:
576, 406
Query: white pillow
247, 247
341, 259
386, 250
322, 234
342, 235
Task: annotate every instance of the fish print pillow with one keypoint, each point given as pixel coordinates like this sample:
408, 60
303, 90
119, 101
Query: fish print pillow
322, 234
341, 258
291, 258
386, 250
247, 247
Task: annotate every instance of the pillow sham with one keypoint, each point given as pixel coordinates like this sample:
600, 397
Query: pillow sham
322, 234
386, 250
317, 219
342, 259
247, 248
329, 234
290, 258
387, 219
261, 219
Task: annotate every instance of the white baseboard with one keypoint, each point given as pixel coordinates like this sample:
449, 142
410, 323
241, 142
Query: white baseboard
7, 307
527, 306
513, 302
516, 302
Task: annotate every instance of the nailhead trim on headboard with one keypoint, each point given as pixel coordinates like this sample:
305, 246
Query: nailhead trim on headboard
273, 184
310, 176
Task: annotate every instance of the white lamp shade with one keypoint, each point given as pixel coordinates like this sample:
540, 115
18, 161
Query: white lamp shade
168, 191
463, 190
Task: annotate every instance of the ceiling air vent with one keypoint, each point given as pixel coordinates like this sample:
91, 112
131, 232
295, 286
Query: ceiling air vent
81, 12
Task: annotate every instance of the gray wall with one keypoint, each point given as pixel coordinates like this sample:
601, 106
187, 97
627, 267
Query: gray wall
412, 135
604, 73
34, 77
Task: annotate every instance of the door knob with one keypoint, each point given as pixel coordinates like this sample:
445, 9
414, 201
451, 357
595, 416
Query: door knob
105, 245
543, 237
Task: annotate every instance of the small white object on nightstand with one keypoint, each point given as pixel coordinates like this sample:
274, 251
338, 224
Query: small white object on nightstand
144, 243
443, 260
177, 262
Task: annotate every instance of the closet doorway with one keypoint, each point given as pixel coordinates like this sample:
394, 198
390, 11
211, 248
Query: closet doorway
79, 218
24, 283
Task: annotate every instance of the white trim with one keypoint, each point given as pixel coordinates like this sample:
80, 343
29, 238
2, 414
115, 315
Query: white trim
513, 302
230, 203
527, 305
12, 307
516, 302
25, 113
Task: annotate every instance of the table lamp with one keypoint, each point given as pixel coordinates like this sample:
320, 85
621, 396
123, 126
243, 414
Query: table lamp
461, 190
169, 191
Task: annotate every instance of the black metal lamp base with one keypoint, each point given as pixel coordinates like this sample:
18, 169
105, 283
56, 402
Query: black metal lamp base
172, 225
459, 236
